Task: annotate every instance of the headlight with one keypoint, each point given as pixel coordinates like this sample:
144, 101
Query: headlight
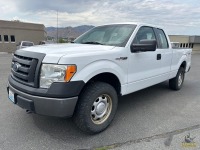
55, 73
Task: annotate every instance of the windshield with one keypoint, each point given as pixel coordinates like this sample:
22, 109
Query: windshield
113, 35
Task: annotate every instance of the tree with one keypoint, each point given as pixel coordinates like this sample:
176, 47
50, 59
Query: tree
61, 40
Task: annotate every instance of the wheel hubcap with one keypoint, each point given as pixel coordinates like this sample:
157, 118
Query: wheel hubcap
101, 109
180, 79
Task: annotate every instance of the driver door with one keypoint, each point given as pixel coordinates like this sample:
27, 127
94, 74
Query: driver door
144, 67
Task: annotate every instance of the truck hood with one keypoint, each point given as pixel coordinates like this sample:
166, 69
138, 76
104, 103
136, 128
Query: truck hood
64, 49
55, 51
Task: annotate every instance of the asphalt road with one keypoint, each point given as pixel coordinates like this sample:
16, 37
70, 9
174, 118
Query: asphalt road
153, 111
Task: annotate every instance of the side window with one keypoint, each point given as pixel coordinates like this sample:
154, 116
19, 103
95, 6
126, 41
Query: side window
162, 39
0, 39
12, 38
6, 38
144, 33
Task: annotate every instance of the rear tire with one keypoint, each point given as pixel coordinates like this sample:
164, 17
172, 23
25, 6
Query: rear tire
177, 82
96, 107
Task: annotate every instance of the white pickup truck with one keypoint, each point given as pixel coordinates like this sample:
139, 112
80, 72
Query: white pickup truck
24, 44
84, 79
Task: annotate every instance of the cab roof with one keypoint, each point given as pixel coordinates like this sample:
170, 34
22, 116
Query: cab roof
134, 23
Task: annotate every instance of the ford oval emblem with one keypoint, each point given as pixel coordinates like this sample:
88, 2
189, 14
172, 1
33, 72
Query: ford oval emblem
16, 66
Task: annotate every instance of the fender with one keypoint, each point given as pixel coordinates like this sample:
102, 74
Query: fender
183, 58
101, 66
176, 65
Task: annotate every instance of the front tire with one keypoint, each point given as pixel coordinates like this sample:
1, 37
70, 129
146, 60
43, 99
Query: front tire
96, 107
177, 82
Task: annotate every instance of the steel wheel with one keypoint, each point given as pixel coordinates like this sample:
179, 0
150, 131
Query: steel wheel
101, 109
177, 82
180, 79
96, 107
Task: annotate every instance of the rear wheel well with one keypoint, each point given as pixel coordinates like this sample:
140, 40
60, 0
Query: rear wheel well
107, 78
183, 65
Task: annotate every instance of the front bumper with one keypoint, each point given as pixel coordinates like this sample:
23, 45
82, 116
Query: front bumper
59, 100
56, 90
58, 107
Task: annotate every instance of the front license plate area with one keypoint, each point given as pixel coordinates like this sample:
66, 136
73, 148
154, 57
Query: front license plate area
11, 96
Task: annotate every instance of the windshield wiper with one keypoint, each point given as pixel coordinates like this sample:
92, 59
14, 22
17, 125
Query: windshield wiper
92, 42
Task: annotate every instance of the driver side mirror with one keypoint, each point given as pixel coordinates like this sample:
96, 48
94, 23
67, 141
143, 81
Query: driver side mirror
144, 46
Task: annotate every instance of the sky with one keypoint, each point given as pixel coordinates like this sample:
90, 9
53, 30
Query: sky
176, 16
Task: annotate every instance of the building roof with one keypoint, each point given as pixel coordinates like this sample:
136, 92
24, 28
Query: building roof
20, 25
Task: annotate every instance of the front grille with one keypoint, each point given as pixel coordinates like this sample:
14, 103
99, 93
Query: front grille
24, 69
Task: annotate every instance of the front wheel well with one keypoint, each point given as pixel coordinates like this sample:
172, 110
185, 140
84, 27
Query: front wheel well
183, 65
107, 78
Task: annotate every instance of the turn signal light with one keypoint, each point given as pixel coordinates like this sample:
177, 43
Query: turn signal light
71, 70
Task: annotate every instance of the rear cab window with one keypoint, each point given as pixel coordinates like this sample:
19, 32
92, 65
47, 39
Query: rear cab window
162, 39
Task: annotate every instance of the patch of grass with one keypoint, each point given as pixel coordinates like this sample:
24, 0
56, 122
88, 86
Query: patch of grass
105, 147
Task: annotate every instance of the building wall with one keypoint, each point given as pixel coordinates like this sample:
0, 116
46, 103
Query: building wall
196, 47
184, 41
178, 38
22, 32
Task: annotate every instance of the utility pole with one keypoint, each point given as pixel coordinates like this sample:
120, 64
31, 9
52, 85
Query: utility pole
57, 26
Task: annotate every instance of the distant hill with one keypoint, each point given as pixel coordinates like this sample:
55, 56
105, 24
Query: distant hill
67, 32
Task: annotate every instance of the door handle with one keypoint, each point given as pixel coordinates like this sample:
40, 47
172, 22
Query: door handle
158, 56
